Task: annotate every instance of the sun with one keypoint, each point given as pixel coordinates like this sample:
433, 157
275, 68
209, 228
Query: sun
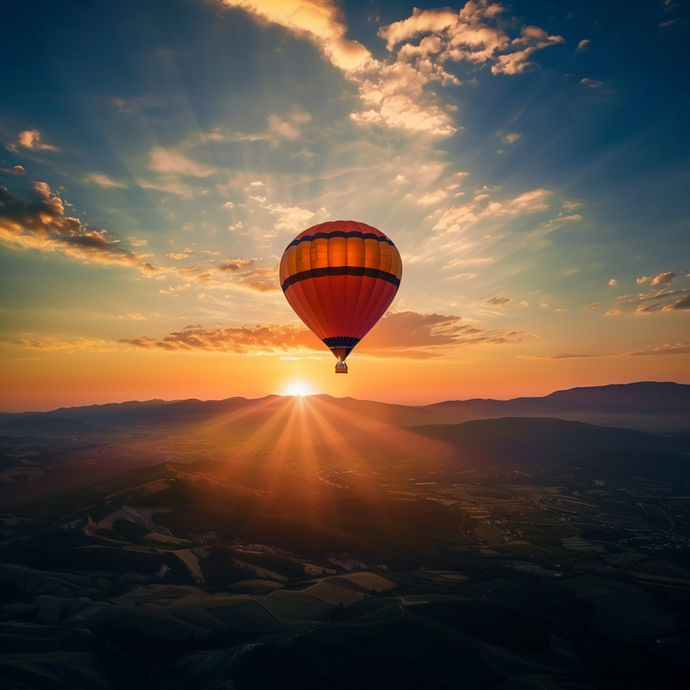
299, 389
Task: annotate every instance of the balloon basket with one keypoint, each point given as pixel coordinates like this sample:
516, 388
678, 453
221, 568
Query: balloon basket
341, 368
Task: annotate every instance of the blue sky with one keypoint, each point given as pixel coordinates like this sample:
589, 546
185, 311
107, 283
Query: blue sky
530, 161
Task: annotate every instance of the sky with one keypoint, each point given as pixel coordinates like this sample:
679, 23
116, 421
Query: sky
530, 161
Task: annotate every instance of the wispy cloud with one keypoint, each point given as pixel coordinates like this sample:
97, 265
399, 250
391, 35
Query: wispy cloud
498, 301
169, 185
458, 217
170, 161
90, 344
103, 180
661, 350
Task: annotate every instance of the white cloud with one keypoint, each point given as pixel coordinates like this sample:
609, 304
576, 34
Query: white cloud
530, 202
392, 90
103, 180
293, 218
171, 186
456, 218
433, 197
459, 217
583, 45
588, 83
170, 161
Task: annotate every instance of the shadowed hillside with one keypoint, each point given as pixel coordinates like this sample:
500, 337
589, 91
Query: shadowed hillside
312, 542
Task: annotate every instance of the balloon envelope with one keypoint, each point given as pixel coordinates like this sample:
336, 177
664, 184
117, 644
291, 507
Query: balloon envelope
340, 278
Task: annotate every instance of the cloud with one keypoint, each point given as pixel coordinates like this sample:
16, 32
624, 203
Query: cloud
136, 104
664, 300
401, 334
393, 96
409, 334
681, 304
262, 339
433, 197
261, 280
512, 138
467, 36
319, 21
280, 128
613, 282
292, 218
660, 279
667, 349
171, 187
135, 316
103, 180
170, 161
16, 170
664, 278
392, 90
529, 202
184, 254
41, 224
583, 45
474, 261
94, 345
498, 301
588, 83
32, 139
234, 265
594, 305
458, 217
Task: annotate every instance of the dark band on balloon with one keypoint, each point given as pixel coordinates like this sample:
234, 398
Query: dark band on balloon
340, 341
340, 233
340, 271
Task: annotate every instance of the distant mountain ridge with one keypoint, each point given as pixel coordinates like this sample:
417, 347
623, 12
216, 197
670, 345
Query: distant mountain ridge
649, 406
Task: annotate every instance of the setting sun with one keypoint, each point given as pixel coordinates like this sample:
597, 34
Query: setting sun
298, 389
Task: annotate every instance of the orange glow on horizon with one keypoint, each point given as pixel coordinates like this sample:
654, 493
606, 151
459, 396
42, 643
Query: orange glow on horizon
47, 380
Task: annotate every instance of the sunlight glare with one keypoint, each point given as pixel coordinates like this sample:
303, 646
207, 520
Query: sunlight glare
298, 389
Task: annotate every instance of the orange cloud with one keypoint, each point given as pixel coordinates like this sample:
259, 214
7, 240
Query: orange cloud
96, 345
32, 139
255, 340
41, 223
407, 335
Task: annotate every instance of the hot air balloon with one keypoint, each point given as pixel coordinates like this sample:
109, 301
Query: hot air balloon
340, 277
